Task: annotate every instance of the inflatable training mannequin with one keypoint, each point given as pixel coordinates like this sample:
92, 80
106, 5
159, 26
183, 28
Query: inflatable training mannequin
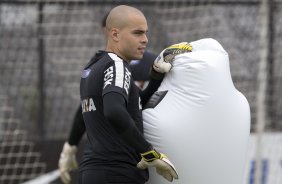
199, 119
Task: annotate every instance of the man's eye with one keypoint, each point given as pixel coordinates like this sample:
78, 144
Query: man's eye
138, 32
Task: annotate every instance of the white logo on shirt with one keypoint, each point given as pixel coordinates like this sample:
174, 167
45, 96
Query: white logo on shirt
127, 80
88, 105
109, 75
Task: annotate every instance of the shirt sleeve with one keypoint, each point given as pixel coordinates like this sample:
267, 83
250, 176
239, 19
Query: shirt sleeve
117, 78
77, 129
117, 115
152, 87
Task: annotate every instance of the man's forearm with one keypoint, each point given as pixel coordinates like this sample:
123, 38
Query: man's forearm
78, 128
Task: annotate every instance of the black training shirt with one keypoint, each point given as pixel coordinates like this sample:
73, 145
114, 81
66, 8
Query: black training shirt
105, 74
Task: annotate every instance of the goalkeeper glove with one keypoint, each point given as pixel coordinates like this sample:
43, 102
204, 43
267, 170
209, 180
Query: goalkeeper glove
67, 162
160, 161
163, 63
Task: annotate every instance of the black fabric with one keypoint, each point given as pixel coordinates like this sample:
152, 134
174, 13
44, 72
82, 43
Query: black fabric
155, 99
78, 128
116, 113
106, 177
140, 68
98, 55
149, 90
140, 72
106, 147
156, 75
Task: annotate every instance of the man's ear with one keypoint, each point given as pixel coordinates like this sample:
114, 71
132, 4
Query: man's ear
115, 34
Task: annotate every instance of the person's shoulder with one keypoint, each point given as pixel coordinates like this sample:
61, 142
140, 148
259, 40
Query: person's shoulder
149, 57
97, 56
140, 68
114, 57
117, 61
147, 60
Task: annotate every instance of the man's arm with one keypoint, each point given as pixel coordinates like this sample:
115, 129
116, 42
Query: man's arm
116, 113
67, 161
161, 66
153, 86
78, 128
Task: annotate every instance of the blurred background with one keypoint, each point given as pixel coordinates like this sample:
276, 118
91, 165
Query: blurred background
44, 45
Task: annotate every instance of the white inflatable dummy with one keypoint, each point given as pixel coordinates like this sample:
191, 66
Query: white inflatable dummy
202, 123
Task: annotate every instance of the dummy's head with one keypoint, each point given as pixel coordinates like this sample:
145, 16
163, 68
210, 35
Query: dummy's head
205, 68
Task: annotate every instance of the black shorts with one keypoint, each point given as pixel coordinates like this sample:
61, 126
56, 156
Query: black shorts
104, 177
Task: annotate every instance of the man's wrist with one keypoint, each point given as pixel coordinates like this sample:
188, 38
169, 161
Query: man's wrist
151, 155
156, 75
69, 149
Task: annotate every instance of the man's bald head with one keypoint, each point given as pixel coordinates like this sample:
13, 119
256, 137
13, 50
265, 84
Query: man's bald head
126, 32
121, 15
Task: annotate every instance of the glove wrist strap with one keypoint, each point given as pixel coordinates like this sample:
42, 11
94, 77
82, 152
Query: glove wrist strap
150, 156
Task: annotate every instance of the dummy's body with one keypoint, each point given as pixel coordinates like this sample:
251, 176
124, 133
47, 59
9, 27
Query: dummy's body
202, 122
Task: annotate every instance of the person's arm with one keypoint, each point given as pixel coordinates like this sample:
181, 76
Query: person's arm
116, 113
153, 85
67, 161
156, 74
161, 66
78, 128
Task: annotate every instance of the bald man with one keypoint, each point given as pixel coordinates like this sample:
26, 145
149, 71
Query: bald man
116, 150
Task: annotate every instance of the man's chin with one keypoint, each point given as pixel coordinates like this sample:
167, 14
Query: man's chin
137, 58
140, 56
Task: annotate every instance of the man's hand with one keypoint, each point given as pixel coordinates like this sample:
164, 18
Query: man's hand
67, 162
160, 161
160, 65
163, 63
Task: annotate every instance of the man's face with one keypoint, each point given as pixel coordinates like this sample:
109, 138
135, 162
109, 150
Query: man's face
133, 38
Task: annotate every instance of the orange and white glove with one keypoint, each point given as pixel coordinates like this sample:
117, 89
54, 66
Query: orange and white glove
160, 161
67, 162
